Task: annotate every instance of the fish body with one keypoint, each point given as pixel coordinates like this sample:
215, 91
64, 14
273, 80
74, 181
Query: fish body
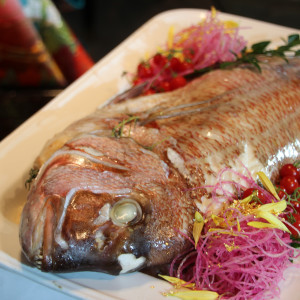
115, 195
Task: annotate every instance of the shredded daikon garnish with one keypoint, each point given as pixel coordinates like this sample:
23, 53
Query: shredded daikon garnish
241, 253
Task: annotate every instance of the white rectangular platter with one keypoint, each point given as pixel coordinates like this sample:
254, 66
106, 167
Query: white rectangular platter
19, 149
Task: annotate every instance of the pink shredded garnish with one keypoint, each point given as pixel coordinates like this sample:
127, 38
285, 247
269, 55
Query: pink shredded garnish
219, 192
206, 44
209, 42
238, 262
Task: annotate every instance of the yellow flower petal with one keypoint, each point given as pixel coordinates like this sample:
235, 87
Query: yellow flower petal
261, 225
198, 226
170, 37
238, 224
160, 49
218, 220
197, 232
195, 295
176, 281
146, 56
179, 54
276, 207
268, 184
272, 220
198, 217
246, 200
230, 24
184, 36
218, 230
213, 12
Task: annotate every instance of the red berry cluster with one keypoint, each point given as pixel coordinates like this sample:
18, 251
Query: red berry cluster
259, 194
163, 72
289, 178
289, 188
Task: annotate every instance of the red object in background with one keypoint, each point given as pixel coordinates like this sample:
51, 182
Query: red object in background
38, 52
22, 50
73, 65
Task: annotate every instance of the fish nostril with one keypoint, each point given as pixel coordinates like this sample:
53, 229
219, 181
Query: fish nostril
126, 212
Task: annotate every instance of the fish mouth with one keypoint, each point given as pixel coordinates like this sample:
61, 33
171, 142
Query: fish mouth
105, 244
81, 256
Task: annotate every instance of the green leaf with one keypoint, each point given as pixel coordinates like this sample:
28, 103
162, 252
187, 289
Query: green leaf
282, 48
226, 64
244, 50
295, 245
297, 163
293, 38
296, 242
291, 218
256, 65
260, 47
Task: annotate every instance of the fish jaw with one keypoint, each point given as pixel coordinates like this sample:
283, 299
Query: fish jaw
70, 221
36, 232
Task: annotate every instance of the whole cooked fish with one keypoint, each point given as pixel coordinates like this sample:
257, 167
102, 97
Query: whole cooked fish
114, 190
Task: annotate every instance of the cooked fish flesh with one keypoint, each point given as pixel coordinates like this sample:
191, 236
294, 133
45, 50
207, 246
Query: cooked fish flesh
115, 190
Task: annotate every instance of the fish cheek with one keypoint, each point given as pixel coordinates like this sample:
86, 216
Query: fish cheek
157, 246
137, 244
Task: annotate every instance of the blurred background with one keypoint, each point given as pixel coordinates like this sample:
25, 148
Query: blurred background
62, 39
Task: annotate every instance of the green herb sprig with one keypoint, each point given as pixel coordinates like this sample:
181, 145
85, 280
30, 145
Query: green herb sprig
117, 131
250, 56
151, 147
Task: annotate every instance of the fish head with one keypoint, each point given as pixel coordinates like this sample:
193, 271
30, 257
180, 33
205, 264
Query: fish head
105, 204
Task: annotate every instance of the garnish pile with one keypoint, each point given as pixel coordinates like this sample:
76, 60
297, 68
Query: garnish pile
208, 45
242, 252
195, 48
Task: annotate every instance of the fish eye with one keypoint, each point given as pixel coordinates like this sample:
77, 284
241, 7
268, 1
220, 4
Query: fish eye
126, 212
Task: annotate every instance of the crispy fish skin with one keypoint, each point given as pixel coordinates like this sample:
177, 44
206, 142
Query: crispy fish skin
226, 118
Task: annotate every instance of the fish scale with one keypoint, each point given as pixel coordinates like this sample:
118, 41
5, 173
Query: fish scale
75, 217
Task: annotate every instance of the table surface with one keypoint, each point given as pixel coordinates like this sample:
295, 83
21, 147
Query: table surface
17, 287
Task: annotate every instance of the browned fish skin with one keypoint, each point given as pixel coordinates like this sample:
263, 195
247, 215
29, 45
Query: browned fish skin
246, 116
